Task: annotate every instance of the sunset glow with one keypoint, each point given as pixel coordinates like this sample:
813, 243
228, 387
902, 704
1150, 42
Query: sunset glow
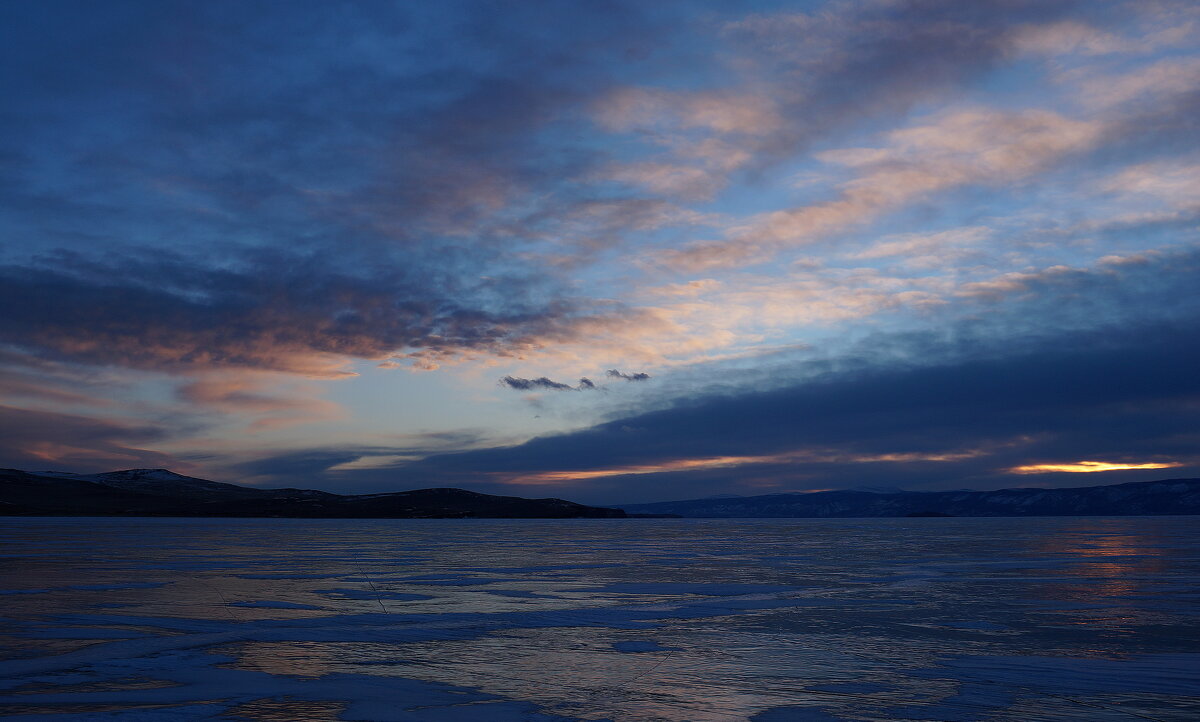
1088, 466
717, 462
797, 458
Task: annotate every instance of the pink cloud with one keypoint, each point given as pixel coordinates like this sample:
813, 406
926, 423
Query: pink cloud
978, 146
35, 439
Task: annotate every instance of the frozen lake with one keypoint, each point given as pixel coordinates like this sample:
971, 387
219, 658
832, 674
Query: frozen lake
686, 620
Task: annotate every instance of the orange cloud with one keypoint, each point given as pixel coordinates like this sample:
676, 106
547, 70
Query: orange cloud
1088, 467
712, 462
725, 462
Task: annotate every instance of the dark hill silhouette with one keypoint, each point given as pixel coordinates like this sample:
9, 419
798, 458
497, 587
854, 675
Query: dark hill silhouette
159, 492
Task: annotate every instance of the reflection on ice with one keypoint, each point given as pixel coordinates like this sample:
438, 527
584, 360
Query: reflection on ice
1113, 565
686, 620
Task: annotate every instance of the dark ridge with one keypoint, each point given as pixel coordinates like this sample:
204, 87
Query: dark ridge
159, 492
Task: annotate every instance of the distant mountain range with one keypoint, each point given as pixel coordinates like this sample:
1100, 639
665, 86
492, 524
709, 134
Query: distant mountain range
159, 492
1169, 496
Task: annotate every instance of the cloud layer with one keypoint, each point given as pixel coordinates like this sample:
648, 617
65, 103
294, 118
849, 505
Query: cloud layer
848, 240
924, 410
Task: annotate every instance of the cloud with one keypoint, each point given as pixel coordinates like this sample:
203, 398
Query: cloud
38, 440
1040, 402
1158, 122
585, 384
328, 466
273, 311
1096, 365
795, 79
627, 109
534, 384
272, 130
1068, 37
1088, 467
891, 54
259, 396
294, 468
978, 146
258, 201
638, 376
1149, 84
63, 385
397, 188
929, 250
544, 384
1175, 183
668, 179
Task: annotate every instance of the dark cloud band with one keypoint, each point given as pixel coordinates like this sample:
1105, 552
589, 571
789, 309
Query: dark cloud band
544, 384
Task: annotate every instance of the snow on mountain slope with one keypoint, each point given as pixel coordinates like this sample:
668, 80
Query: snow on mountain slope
159, 482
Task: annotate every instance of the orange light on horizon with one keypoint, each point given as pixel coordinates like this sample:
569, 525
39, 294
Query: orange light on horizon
711, 462
1089, 466
724, 462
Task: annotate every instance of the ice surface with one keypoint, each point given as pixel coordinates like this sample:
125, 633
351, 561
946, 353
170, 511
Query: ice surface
712, 590
360, 593
112, 587
518, 594
625, 620
272, 604
795, 714
634, 646
1165, 674
981, 626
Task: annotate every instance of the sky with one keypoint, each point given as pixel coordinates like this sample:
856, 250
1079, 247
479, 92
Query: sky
604, 251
